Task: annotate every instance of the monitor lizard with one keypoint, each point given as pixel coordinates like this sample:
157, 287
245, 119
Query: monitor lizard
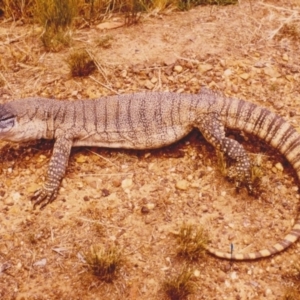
147, 121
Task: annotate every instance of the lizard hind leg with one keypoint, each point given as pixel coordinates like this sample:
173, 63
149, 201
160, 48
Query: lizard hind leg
228, 149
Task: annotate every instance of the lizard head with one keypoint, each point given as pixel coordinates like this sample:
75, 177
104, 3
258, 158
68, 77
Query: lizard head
17, 122
7, 119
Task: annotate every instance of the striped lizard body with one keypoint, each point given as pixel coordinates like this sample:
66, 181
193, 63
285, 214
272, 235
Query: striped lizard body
148, 121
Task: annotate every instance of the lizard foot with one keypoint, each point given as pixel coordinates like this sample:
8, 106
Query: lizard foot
43, 197
241, 177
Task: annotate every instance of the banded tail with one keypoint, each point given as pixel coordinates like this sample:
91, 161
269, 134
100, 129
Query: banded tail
275, 131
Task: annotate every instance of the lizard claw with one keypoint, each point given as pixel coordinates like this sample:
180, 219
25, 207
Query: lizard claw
43, 196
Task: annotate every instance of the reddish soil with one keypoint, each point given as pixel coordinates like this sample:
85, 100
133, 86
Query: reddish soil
131, 199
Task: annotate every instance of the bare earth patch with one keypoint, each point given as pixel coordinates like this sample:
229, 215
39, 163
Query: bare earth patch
136, 200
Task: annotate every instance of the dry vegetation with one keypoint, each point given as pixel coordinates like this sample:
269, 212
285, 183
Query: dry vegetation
115, 231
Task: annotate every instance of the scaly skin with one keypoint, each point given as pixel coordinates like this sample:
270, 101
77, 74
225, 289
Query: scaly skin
148, 121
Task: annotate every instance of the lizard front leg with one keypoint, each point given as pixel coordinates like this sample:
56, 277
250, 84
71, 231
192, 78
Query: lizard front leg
213, 131
57, 167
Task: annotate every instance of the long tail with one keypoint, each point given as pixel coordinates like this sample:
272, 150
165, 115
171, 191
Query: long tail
275, 131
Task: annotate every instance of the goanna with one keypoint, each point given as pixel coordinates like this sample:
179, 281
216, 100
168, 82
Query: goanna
148, 121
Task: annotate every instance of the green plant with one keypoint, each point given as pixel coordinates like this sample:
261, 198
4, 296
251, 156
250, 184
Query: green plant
104, 263
80, 63
179, 286
56, 16
191, 241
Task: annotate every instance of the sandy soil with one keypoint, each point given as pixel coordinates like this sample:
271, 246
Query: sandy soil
249, 51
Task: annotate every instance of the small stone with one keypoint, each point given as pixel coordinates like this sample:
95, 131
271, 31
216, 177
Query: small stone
285, 57
204, 208
154, 80
32, 188
170, 60
149, 85
221, 276
126, 183
268, 292
105, 192
40, 263
228, 72
86, 198
178, 69
245, 76
274, 170
41, 158
150, 206
145, 210
205, 67
272, 72
124, 73
181, 185
279, 167
116, 182
81, 158
15, 196
222, 63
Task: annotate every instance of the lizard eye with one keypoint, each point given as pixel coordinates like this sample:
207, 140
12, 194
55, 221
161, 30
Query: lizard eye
7, 121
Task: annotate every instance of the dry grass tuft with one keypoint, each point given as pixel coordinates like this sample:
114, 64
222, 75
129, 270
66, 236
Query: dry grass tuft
291, 294
191, 242
56, 16
105, 41
17, 9
81, 64
104, 263
188, 4
291, 31
180, 286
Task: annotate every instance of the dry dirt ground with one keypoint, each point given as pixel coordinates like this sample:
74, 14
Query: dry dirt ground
136, 200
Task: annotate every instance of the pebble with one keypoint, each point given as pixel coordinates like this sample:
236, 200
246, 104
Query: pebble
81, 158
126, 183
181, 185
170, 60
279, 166
124, 73
273, 73
150, 206
233, 276
228, 72
149, 85
116, 182
268, 292
145, 210
32, 188
221, 276
154, 80
15, 196
40, 263
178, 69
105, 192
204, 208
205, 67
285, 57
245, 76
